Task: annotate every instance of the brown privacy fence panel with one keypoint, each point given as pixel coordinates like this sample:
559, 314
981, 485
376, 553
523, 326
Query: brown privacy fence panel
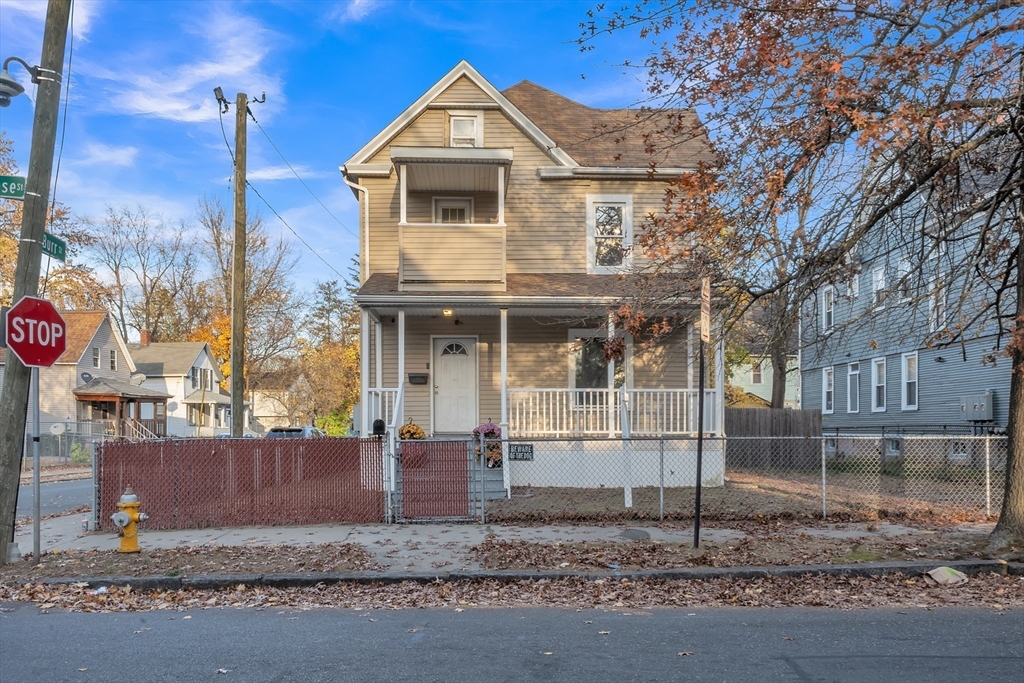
195, 483
435, 479
772, 422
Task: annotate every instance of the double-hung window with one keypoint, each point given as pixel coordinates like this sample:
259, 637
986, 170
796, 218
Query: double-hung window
853, 388
756, 376
909, 381
609, 232
878, 285
95, 356
903, 279
828, 308
828, 391
878, 385
465, 129
113, 359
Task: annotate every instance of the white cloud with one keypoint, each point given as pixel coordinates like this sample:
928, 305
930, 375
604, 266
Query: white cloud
108, 155
283, 173
357, 10
231, 51
85, 12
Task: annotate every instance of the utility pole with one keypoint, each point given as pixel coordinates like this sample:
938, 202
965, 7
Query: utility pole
14, 400
238, 275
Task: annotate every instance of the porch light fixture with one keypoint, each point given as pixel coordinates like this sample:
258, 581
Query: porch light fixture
447, 312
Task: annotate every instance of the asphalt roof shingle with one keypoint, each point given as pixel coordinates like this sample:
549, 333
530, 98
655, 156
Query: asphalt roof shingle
163, 359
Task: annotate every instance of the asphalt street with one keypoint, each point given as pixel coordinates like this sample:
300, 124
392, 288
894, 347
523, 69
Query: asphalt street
530, 644
55, 497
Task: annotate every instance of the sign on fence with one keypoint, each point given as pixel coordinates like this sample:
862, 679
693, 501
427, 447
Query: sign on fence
520, 451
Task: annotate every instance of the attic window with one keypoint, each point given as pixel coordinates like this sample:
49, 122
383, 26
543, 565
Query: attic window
465, 129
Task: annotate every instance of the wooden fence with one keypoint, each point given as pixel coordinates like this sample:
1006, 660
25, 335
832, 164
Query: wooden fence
773, 453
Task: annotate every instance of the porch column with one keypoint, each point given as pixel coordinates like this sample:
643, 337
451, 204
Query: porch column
402, 192
378, 361
612, 415
501, 195
364, 371
504, 380
398, 419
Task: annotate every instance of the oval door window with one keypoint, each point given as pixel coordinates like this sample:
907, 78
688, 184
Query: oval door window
454, 349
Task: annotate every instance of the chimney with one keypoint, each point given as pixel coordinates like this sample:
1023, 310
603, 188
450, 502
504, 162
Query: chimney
145, 337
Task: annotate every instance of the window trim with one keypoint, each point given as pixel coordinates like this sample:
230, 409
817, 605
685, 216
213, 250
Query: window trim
904, 284
438, 203
828, 376
935, 297
96, 357
593, 201
904, 381
852, 380
113, 360
828, 312
756, 373
875, 408
466, 114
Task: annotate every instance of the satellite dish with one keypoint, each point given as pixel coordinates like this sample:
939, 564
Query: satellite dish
172, 406
86, 377
57, 428
137, 379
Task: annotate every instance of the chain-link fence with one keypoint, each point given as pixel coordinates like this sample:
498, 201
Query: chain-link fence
195, 483
744, 478
64, 443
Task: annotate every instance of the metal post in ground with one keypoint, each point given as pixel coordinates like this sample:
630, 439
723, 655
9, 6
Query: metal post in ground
988, 477
35, 466
700, 449
824, 511
95, 525
661, 479
483, 472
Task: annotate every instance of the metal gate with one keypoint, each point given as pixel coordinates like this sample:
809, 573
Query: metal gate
434, 480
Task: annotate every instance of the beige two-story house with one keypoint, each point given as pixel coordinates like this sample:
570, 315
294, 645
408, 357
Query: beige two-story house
497, 234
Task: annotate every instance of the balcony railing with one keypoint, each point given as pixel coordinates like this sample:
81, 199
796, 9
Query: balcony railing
450, 256
381, 405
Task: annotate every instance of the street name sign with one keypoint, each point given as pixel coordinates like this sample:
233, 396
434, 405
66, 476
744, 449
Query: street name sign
12, 186
54, 247
36, 333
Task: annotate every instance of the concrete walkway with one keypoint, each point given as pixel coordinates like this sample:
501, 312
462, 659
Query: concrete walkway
414, 548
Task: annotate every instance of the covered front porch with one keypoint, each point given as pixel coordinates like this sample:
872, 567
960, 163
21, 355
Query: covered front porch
124, 410
536, 368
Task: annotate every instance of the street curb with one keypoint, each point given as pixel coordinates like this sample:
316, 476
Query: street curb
305, 580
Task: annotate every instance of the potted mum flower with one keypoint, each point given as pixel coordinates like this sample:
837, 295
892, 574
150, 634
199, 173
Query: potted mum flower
489, 430
413, 454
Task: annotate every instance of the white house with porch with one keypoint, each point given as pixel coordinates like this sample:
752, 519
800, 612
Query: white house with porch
497, 235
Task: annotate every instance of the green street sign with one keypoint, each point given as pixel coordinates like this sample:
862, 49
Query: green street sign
12, 186
54, 247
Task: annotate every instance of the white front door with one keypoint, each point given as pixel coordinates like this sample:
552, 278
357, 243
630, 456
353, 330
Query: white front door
454, 385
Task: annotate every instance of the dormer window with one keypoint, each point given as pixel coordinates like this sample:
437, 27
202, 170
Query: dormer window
465, 129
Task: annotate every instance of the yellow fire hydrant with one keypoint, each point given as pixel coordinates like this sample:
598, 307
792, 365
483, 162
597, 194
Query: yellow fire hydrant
127, 519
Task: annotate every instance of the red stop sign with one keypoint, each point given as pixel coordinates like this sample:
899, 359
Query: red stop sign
35, 332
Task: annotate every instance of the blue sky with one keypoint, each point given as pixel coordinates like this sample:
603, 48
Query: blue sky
142, 124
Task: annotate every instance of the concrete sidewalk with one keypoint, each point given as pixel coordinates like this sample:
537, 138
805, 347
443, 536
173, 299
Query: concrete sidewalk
415, 548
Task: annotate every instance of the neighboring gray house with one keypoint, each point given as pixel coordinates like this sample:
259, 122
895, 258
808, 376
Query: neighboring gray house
880, 350
189, 373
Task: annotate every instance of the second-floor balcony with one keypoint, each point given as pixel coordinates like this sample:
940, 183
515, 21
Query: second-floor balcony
451, 225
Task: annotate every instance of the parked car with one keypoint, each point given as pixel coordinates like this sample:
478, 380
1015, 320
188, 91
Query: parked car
245, 435
296, 433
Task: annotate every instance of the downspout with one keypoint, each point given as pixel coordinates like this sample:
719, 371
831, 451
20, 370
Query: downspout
364, 268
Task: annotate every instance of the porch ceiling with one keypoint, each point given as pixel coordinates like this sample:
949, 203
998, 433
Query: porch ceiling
452, 169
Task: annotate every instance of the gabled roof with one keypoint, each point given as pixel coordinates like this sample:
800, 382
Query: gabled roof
82, 327
169, 359
614, 137
462, 69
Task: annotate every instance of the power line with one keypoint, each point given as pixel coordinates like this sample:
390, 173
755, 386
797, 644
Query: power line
347, 229
290, 228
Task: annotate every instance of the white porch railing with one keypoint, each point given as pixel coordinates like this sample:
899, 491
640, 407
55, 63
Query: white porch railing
651, 412
381, 404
